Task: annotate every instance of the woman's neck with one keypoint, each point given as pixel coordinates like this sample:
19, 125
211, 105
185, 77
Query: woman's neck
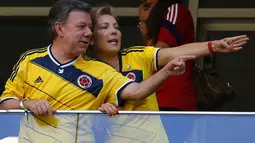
111, 60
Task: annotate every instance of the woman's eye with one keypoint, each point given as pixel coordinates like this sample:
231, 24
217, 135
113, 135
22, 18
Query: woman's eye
103, 27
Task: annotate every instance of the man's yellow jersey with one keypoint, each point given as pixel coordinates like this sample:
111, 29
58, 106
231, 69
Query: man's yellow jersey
81, 84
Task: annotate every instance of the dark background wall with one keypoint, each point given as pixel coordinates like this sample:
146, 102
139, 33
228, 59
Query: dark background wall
226, 4
238, 68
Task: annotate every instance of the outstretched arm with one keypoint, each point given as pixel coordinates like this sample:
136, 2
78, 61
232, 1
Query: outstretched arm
200, 49
151, 84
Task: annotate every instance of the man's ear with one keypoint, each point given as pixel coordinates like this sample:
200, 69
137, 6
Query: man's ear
59, 29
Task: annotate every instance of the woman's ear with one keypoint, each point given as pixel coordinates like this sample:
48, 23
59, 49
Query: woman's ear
92, 41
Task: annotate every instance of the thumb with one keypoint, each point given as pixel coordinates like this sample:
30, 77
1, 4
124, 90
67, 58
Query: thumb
226, 44
101, 109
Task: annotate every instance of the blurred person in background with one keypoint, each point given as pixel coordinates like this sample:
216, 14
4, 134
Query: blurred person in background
166, 24
169, 24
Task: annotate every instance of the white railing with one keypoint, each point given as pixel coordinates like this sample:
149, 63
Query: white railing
199, 127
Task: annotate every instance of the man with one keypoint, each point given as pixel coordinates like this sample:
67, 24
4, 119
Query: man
58, 77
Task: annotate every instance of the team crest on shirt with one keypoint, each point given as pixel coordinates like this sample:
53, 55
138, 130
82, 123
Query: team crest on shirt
131, 75
84, 81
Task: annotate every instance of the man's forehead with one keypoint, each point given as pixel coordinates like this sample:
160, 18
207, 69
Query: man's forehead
79, 17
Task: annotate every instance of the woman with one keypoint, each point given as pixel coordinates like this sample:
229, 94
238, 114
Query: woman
139, 62
170, 24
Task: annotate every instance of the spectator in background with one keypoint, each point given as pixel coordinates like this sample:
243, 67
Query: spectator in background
170, 24
144, 11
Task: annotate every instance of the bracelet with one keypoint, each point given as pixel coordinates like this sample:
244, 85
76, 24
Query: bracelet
210, 47
22, 106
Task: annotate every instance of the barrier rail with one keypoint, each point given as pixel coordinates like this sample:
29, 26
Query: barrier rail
130, 126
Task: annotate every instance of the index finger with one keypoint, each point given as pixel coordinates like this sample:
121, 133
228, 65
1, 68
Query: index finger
237, 37
47, 105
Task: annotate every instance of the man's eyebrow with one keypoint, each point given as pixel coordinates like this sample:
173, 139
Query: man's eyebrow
81, 22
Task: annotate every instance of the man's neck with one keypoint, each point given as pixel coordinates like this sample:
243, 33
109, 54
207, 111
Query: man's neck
61, 53
113, 61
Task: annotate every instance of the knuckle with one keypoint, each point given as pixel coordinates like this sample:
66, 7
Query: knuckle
32, 107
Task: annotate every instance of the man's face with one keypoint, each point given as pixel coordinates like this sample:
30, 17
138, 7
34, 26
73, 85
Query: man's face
77, 31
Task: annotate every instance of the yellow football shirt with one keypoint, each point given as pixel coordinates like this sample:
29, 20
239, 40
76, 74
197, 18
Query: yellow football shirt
38, 75
81, 84
137, 63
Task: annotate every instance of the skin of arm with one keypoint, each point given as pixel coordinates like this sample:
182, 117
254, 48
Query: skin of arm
200, 49
196, 49
10, 104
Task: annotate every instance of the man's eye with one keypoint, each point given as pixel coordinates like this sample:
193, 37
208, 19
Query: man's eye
81, 26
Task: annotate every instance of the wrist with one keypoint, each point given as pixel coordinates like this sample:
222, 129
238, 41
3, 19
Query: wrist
211, 47
165, 72
23, 105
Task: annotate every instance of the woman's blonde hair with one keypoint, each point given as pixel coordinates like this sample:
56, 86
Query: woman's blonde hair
102, 10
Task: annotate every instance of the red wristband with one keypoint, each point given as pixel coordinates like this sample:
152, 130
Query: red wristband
210, 48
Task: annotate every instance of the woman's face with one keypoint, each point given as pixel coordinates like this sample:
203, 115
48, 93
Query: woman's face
107, 37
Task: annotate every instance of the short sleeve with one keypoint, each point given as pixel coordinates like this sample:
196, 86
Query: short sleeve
15, 85
151, 57
115, 82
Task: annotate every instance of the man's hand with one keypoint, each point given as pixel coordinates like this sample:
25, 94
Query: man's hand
177, 65
229, 44
39, 107
108, 108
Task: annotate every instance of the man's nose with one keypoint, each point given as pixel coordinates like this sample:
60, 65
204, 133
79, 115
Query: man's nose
88, 32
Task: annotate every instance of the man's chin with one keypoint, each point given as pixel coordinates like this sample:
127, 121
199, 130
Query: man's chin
82, 50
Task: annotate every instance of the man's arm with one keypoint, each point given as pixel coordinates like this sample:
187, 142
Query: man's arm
200, 49
10, 104
15, 92
151, 84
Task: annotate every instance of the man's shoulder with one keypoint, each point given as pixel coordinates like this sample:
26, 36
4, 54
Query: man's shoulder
33, 53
